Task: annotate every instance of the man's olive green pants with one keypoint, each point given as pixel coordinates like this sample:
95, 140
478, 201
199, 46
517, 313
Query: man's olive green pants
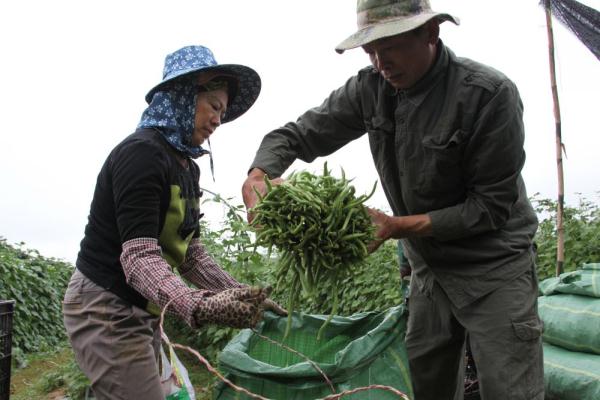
505, 335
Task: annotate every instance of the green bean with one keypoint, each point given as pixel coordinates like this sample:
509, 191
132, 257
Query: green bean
320, 228
333, 310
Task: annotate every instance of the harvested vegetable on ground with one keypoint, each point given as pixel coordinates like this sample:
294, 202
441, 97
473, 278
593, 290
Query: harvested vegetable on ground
320, 229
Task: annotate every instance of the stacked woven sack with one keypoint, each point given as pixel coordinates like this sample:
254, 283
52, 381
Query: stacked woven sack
570, 309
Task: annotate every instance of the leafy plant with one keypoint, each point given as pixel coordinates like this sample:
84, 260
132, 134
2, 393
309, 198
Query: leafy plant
231, 244
67, 376
582, 235
37, 284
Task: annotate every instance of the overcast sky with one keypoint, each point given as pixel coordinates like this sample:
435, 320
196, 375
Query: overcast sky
74, 74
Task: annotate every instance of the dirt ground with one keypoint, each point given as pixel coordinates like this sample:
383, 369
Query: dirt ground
25, 382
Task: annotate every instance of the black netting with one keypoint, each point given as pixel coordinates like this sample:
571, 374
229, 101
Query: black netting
582, 20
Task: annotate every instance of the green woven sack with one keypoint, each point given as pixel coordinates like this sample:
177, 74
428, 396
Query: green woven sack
584, 281
571, 321
356, 351
570, 375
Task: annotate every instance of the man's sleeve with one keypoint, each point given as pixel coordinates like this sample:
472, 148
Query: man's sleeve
318, 132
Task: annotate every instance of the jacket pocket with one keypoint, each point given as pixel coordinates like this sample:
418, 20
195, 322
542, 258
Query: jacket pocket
442, 152
441, 167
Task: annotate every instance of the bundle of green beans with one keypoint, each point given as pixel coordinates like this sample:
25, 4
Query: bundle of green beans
319, 227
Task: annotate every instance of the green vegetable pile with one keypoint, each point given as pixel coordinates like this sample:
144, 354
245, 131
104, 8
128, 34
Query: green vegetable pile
320, 229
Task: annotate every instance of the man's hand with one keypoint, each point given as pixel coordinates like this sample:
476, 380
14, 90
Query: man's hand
383, 228
388, 227
255, 181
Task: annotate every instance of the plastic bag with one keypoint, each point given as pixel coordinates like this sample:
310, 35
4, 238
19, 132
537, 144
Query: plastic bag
174, 377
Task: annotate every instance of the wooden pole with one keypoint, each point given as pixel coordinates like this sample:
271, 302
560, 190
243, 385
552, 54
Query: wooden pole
560, 230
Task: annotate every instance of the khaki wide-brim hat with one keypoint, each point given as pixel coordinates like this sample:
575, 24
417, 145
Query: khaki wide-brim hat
378, 19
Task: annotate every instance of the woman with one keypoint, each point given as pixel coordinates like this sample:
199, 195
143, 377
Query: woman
144, 222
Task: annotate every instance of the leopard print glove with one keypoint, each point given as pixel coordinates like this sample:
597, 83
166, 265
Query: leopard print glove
237, 307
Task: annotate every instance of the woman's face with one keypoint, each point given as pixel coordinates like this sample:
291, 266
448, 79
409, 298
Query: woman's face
210, 108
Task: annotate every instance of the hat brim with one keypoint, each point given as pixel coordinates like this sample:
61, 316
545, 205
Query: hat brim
391, 28
248, 86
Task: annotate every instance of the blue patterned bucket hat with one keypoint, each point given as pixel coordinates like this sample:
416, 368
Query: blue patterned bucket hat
190, 60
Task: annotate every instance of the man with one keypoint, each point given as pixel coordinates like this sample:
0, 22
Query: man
446, 135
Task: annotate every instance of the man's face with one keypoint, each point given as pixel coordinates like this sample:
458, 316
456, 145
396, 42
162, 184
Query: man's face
403, 59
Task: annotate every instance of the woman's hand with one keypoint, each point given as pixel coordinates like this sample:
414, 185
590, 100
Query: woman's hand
237, 308
270, 305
